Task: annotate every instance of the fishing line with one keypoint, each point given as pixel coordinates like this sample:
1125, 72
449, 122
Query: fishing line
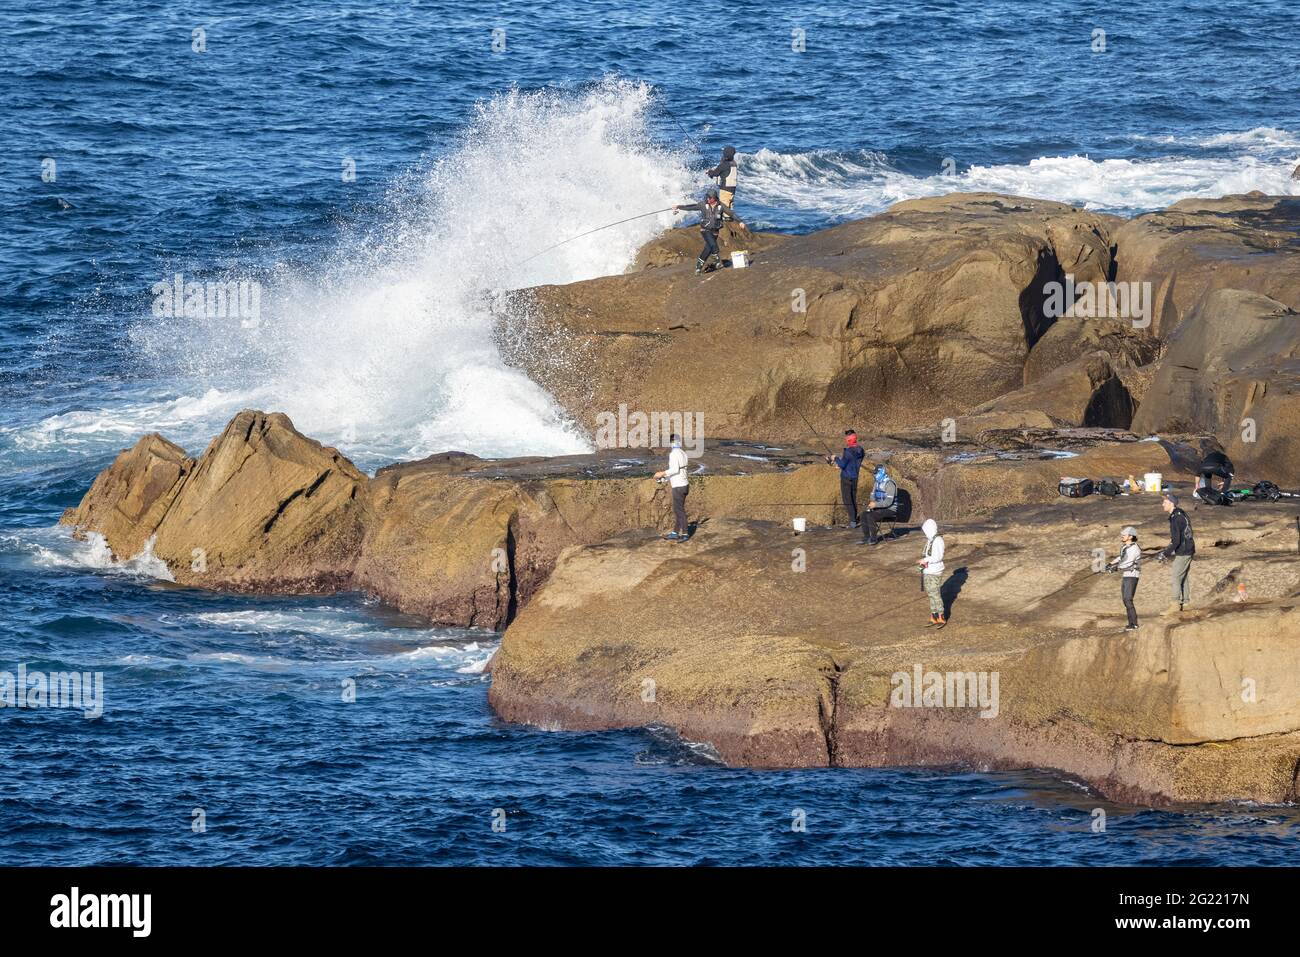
829, 453
694, 143
596, 230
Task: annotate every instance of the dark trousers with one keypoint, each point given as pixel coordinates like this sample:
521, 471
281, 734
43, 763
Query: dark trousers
710, 246
849, 492
679, 510
1127, 591
870, 519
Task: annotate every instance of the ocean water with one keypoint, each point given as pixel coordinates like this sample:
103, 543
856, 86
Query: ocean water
380, 173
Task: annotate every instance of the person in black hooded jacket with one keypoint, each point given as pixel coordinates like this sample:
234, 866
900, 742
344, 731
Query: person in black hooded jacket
1181, 548
1215, 479
726, 173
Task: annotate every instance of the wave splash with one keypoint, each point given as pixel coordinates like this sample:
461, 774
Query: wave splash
386, 347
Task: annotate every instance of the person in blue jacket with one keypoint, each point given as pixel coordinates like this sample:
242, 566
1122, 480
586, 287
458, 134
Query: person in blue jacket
882, 506
849, 462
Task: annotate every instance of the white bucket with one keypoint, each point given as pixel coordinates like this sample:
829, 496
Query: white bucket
739, 259
1154, 481
801, 524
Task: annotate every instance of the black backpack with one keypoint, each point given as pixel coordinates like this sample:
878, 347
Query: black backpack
1075, 488
1107, 487
1267, 490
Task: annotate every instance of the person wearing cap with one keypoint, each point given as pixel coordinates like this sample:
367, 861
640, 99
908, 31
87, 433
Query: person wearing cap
931, 564
680, 483
711, 213
1130, 563
1181, 548
726, 173
883, 504
850, 463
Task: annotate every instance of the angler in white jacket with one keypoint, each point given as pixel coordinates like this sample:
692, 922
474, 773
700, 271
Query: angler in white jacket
931, 564
1130, 563
680, 482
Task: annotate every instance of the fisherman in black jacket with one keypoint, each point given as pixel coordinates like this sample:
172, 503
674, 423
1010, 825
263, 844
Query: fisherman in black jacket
710, 222
1181, 548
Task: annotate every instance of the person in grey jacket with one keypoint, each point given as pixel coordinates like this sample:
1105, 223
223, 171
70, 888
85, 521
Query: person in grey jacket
1129, 562
883, 504
711, 219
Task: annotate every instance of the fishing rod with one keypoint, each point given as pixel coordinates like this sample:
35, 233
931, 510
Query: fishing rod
829, 453
673, 117
596, 230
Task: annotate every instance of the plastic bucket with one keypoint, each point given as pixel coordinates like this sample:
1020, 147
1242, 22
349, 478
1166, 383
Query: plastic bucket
1154, 481
739, 259
801, 525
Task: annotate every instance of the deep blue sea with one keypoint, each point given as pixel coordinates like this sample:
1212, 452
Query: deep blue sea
379, 170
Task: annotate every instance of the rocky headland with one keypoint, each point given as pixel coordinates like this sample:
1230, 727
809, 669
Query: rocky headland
926, 329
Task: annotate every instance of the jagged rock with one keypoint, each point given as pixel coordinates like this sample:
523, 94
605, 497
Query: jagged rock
920, 313
266, 509
1087, 391
1232, 367
1071, 337
128, 500
1246, 242
453, 538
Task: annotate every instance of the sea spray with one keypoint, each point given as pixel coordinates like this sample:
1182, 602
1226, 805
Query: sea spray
386, 346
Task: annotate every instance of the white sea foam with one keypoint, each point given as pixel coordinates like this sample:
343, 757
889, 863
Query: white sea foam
56, 548
850, 185
453, 649
385, 347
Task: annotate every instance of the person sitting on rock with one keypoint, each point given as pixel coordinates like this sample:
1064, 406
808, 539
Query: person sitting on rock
883, 505
726, 173
680, 482
1181, 548
931, 563
710, 222
849, 462
1130, 563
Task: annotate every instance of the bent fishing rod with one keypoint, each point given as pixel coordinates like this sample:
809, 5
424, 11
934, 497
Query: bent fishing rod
653, 212
829, 453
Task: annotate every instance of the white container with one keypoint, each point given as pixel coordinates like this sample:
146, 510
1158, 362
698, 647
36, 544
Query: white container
739, 259
1153, 481
800, 525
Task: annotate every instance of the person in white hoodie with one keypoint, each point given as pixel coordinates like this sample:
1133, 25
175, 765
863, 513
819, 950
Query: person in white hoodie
680, 483
1130, 563
931, 564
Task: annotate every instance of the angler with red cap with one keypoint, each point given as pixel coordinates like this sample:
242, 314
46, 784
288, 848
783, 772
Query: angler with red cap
849, 462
